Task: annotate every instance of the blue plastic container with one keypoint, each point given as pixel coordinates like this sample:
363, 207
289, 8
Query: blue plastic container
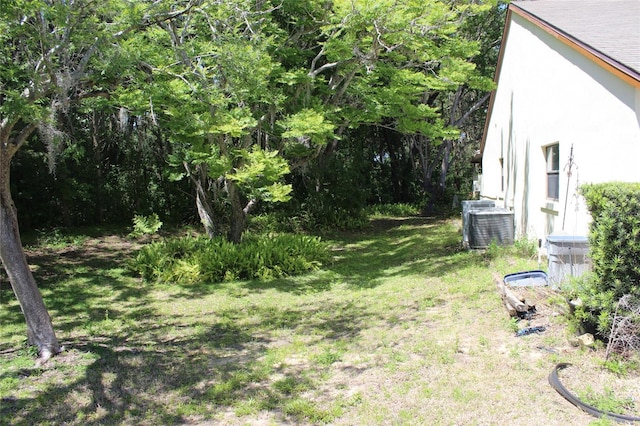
527, 279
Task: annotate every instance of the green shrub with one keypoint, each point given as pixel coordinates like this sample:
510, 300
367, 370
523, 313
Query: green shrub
393, 210
526, 247
188, 260
321, 217
309, 218
614, 250
57, 239
145, 225
275, 222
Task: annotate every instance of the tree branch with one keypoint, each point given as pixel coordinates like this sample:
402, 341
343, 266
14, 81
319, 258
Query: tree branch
157, 19
21, 139
314, 73
250, 205
473, 108
454, 107
345, 84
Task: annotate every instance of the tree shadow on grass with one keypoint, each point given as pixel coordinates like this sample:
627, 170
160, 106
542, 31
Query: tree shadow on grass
130, 364
127, 363
160, 374
392, 248
80, 285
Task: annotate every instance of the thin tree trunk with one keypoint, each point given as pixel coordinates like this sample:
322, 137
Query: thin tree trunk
447, 145
422, 145
205, 213
39, 327
238, 214
390, 139
444, 165
97, 158
203, 204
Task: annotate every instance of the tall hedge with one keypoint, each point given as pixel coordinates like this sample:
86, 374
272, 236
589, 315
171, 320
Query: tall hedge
614, 249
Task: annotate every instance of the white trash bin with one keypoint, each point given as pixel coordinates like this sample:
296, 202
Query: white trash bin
568, 257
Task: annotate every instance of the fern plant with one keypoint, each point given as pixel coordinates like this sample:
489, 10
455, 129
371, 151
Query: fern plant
188, 260
145, 225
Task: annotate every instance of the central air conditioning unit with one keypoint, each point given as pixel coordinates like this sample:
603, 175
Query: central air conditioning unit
489, 225
467, 206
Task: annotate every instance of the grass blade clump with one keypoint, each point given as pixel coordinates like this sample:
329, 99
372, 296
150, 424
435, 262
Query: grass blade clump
188, 260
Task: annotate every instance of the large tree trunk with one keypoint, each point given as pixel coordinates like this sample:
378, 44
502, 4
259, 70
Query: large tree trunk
39, 327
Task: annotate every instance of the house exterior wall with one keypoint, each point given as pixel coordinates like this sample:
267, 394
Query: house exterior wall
549, 93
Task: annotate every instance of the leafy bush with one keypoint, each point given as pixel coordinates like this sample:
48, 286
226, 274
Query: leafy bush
614, 249
145, 225
336, 218
309, 217
526, 247
333, 196
393, 210
57, 239
275, 222
188, 260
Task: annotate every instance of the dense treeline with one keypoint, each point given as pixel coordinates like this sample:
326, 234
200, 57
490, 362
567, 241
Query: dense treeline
368, 102
212, 111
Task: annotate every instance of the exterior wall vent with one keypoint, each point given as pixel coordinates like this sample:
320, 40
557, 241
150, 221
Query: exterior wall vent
489, 225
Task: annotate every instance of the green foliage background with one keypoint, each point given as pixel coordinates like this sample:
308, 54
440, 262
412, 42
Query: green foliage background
333, 93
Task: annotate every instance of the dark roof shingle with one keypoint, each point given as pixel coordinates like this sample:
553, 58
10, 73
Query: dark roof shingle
611, 27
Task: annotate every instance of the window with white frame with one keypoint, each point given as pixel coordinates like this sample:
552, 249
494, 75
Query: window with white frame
552, 154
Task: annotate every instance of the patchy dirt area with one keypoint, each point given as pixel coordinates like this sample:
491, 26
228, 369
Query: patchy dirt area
605, 390
545, 306
105, 248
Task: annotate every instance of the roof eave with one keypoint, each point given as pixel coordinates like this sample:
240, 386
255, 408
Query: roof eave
619, 69
627, 74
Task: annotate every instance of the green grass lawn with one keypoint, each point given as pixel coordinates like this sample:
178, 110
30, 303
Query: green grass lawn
403, 327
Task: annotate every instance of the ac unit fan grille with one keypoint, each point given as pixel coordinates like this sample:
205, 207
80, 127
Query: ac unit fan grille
490, 225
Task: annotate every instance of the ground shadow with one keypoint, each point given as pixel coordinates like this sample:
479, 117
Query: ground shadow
392, 247
134, 358
128, 377
137, 358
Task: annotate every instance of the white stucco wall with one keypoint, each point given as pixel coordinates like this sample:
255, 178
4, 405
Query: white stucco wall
550, 93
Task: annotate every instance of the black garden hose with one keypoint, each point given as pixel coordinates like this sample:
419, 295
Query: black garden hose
554, 381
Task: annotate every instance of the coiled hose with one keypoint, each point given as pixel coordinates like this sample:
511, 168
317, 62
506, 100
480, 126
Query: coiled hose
554, 381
